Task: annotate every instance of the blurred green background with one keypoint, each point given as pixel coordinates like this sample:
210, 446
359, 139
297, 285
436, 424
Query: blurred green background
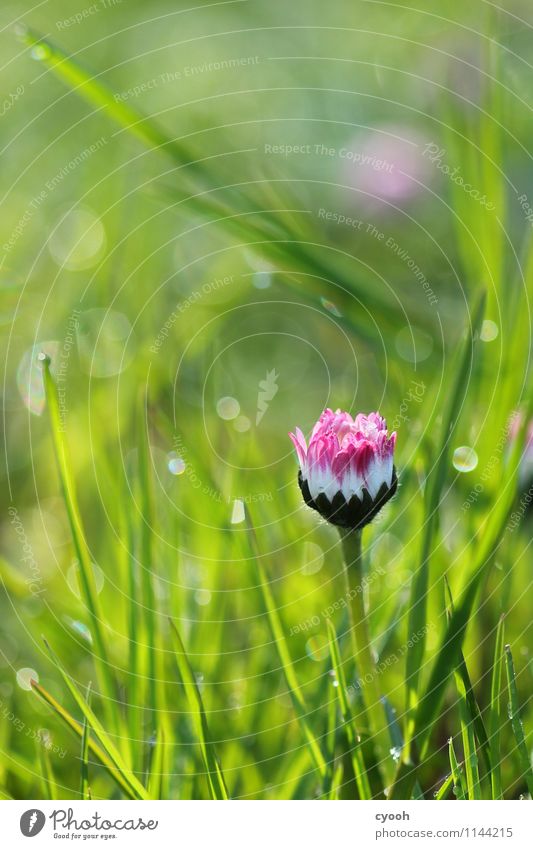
385, 151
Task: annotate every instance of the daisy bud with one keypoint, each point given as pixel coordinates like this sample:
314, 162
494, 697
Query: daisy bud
347, 473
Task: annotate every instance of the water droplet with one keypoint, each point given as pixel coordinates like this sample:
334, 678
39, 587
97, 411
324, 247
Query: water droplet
489, 331
104, 340
237, 513
176, 465
30, 376
202, 597
46, 737
78, 241
80, 629
464, 459
317, 648
331, 307
242, 424
228, 408
396, 753
261, 280
413, 345
40, 52
73, 578
313, 559
25, 676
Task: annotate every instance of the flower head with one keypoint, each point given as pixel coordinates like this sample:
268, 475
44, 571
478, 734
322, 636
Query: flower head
347, 472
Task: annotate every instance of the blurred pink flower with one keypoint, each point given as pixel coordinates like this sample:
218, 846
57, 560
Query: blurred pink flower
347, 472
387, 164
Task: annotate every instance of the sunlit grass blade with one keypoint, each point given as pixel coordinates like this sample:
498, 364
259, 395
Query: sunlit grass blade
47, 773
356, 754
495, 711
516, 722
336, 784
146, 532
469, 743
155, 779
445, 788
84, 755
79, 79
280, 643
215, 776
452, 641
330, 742
457, 774
94, 748
98, 730
87, 581
434, 487
472, 724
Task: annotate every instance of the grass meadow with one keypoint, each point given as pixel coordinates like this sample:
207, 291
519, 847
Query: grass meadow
217, 220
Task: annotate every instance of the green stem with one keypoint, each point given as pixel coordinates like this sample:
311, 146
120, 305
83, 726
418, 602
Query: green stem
359, 630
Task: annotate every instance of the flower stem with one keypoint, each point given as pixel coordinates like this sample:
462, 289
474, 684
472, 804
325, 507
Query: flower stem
372, 710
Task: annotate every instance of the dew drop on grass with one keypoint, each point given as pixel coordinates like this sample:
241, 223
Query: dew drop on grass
261, 280
228, 408
30, 376
40, 52
313, 559
25, 676
395, 752
331, 307
237, 513
489, 331
317, 648
464, 459
80, 628
334, 680
202, 597
175, 463
73, 578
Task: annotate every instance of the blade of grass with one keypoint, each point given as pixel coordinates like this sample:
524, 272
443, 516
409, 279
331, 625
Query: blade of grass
98, 729
495, 712
516, 722
466, 692
84, 756
155, 782
469, 744
87, 581
146, 498
356, 753
215, 776
94, 748
445, 788
47, 773
457, 775
280, 643
434, 487
446, 659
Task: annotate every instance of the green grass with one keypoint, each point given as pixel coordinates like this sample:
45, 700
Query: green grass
201, 647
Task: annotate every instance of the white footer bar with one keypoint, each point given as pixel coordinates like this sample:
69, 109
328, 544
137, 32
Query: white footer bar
267, 825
